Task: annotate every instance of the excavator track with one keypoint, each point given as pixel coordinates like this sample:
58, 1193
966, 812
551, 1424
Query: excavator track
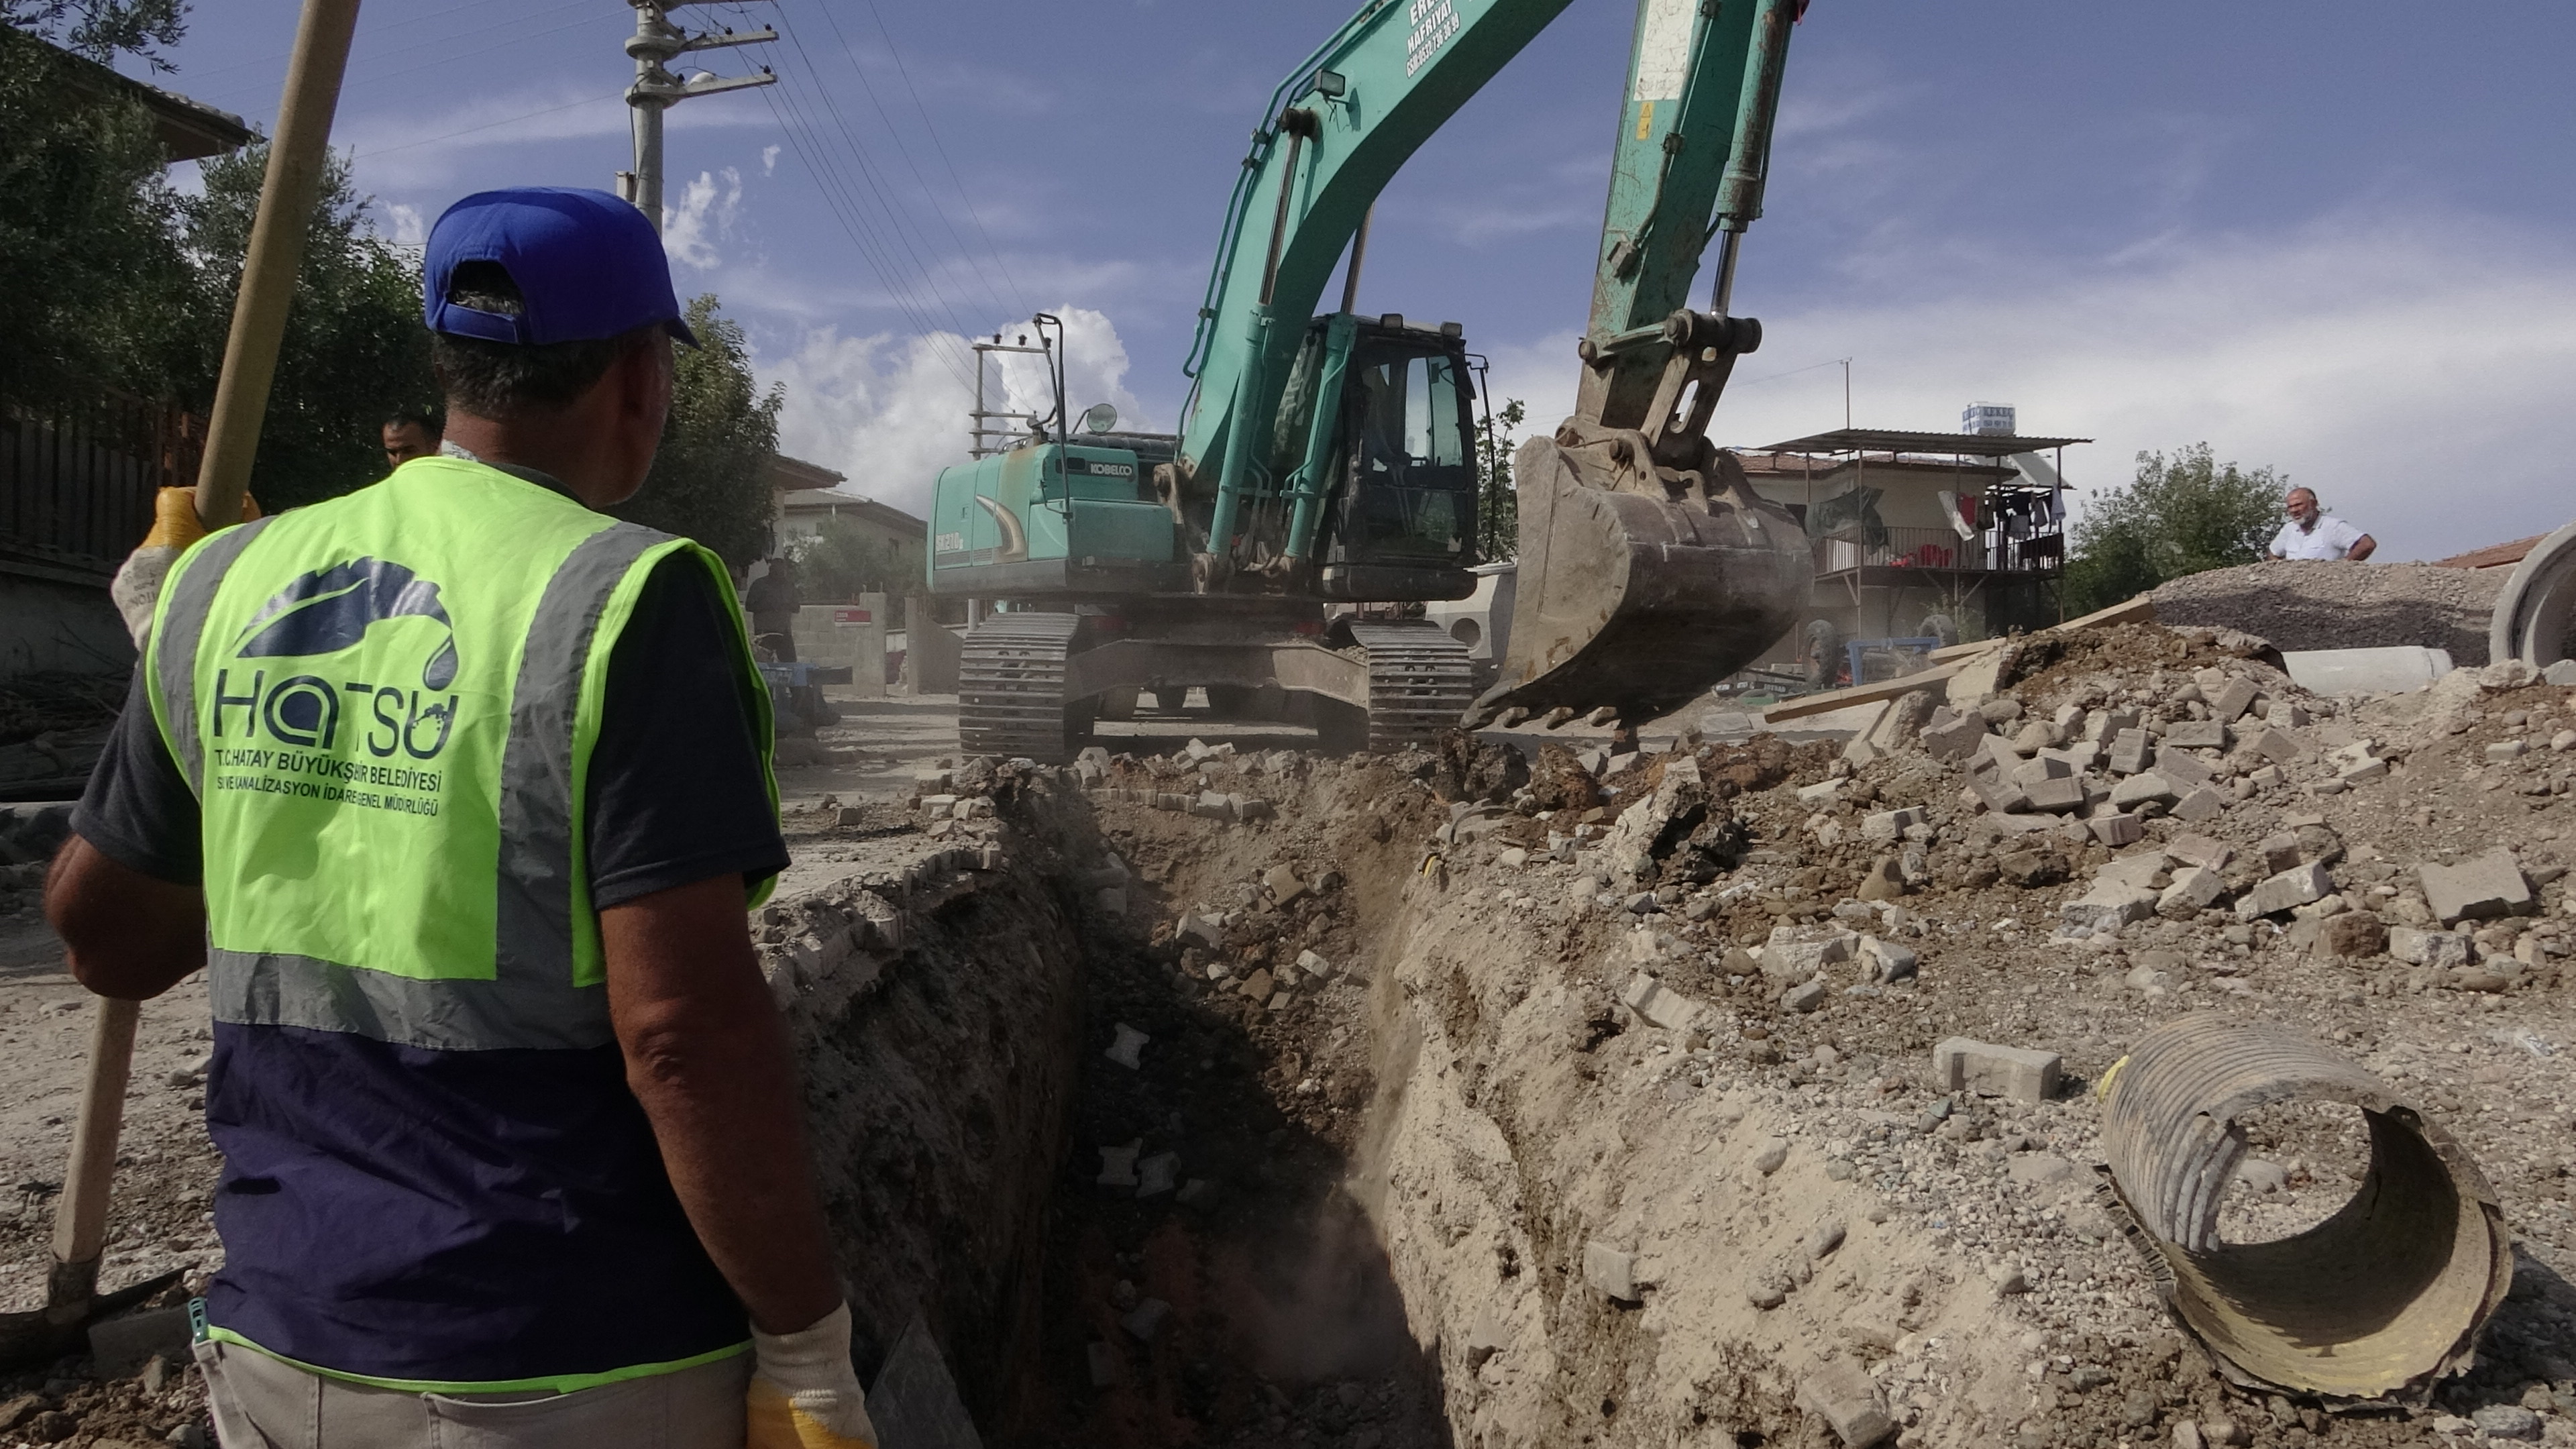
1420, 681
1010, 687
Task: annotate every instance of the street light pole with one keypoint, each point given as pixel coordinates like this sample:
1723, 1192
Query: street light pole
654, 45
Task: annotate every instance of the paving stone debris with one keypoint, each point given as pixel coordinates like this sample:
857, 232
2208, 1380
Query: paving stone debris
2018, 1073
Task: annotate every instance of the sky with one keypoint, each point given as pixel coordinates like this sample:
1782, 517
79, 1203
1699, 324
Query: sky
2330, 239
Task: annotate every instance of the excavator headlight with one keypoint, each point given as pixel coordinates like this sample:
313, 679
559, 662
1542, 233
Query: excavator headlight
1331, 84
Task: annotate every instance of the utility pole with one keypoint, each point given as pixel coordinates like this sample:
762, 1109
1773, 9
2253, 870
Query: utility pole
655, 43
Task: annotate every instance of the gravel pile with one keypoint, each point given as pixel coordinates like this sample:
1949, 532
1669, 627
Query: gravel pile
2342, 605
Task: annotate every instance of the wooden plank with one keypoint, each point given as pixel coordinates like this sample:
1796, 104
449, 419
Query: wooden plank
2140, 610
1834, 699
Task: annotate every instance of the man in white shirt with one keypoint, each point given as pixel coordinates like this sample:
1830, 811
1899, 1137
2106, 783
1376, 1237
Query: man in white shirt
2310, 534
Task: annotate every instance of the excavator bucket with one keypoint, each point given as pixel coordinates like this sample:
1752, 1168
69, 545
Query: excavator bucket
1630, 603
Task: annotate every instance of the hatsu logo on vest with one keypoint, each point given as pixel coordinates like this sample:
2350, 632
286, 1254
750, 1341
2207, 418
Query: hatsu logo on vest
324, 612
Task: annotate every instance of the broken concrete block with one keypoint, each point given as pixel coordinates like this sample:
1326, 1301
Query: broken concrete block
1258, 986
1657, 1006
2117, 829
1886, 961
2056, 797
1512, 858
1491, 1334
2477, 889
1845, 1398
1248, 808
2184, 768
2231, 702
2108, 906
1804, 997
1314, 965
2362, 772
2442, 950
1146, 1319
2130, 751
2033, 737
1888, 825
2274, 744
1158, 1174
1996, 794
2200, 805
2027, 773
1962, 1065
2195, 889
2291, 888
2196, 734
1283, 884
1123, 1051
1611, 1271
2280, 851
2287, 713
1118, 1165
1194, 929
1791, 956
1956, 738
2140, 789
1818, 793
1210, 805
2200, 850
2137, 872
2562, 674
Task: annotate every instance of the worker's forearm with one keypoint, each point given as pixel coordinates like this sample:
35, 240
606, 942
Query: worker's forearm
125, 934
724, 1107
2364, 549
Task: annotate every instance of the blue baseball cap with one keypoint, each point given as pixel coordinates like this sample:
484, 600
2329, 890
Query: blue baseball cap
588, 266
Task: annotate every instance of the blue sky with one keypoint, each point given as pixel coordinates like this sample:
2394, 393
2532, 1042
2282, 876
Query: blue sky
2334, 239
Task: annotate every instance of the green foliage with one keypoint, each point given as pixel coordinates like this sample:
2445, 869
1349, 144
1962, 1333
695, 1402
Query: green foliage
1498, 507
846, 558
101, 30
710, 482
2178, 516
354, 348
100, 292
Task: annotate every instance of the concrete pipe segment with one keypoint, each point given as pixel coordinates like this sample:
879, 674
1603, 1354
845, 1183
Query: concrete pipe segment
2535, 617
2371, 1306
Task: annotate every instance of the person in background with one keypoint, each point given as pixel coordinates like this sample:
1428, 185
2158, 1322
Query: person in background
2313, 534
1824, 654
771, 601
411, 433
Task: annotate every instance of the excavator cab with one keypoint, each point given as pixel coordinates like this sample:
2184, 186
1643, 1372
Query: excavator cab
1394, 447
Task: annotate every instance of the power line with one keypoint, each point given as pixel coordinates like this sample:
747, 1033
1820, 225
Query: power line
488, 125
895, 214
964, 198
851, 55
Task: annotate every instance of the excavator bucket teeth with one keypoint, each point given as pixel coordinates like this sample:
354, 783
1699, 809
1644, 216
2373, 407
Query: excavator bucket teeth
1635, 602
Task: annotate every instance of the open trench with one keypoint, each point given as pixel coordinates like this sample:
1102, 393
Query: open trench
1203, 1103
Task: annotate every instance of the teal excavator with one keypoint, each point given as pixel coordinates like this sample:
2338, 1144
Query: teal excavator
1325, 475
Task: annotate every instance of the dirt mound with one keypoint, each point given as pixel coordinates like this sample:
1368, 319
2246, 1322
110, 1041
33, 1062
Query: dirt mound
2342, 605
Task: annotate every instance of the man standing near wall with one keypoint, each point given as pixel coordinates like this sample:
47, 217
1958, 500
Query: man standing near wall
772, 602
459, 790
2314, 535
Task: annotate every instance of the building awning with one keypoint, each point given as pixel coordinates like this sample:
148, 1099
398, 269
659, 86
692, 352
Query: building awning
189, 130
1894, 440
790, 475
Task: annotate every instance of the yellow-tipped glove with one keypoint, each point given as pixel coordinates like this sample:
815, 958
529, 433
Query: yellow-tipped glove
804, 1394
137, 588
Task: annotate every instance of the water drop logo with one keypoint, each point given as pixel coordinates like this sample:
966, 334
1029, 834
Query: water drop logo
330, 609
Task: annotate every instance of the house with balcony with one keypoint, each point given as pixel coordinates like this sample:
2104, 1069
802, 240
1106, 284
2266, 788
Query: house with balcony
1906, 526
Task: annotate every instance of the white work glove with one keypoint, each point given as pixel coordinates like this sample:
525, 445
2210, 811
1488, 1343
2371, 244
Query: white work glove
804, 1394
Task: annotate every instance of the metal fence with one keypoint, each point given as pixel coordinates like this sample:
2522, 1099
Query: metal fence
1936, 548
76, 485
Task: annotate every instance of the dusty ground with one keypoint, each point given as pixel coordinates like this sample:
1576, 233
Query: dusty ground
1393, 1127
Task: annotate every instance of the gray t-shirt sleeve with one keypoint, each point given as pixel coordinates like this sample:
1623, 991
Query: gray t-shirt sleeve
137, 809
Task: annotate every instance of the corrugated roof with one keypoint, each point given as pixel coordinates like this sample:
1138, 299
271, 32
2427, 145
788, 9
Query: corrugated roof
1896, 440
2493, 556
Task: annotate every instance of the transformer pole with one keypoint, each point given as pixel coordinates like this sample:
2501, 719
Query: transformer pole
654, 45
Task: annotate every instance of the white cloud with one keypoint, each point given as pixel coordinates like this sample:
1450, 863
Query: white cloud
890, 412
407, 227
2415, 376
769, 160
706, 215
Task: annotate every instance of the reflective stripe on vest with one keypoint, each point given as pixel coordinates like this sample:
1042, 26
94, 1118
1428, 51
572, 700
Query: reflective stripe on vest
426, 661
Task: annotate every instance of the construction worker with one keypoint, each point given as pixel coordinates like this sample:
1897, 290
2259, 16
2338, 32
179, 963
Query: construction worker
410, 433
460, 790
